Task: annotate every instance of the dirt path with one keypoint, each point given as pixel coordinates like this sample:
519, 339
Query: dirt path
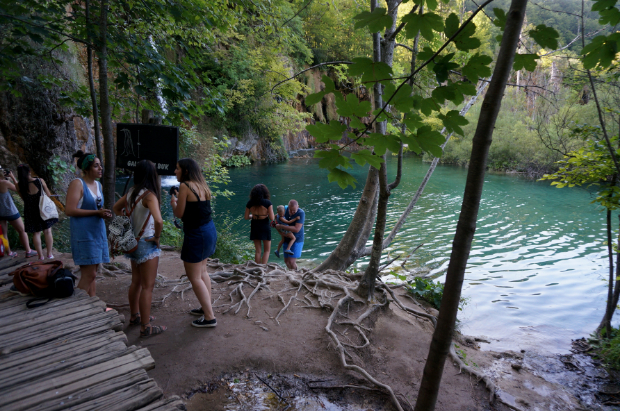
217, 360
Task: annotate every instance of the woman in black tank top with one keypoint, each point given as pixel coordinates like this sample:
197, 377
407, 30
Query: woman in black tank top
193, 207
260, 210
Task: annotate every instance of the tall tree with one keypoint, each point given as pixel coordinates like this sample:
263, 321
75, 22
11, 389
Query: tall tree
466, 226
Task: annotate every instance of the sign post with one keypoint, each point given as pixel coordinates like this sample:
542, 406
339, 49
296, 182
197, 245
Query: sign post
135, 142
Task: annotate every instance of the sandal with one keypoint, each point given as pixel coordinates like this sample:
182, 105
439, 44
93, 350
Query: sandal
13, 254
136, 319
152, 330
32, 253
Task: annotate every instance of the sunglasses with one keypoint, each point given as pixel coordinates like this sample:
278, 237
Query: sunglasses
99, 203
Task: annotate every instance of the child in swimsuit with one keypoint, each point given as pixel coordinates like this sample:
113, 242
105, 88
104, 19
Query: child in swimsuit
285, 233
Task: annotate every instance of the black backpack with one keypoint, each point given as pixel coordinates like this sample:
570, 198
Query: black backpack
60, 285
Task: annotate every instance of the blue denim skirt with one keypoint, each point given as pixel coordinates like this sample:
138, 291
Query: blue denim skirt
199, 243
146, 251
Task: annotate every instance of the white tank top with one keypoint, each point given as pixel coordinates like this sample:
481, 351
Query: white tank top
138, 217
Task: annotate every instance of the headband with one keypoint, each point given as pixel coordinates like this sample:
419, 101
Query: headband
88, 160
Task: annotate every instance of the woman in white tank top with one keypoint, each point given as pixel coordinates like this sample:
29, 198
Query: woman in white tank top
147, 224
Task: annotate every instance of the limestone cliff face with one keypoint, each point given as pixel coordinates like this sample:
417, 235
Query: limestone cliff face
35, 127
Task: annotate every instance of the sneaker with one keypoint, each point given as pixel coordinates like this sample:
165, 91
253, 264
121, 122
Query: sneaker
16, 291
288, 252
277, 253
202, 323
197, 311
32, 253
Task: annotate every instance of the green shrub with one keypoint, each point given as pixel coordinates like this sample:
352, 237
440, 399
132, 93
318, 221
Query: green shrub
171, 236
237, 161
427, 290
609, 350
231, 247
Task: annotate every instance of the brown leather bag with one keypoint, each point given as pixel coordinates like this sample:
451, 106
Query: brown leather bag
32, 277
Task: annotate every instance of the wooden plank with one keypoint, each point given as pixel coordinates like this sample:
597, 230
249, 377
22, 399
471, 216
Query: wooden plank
49, 309
126, 399
51, 320
93, 392
84, 330
173, 403
6, 279
19, 306
14, 262
61, 348
18, 398
39, 370
37, 331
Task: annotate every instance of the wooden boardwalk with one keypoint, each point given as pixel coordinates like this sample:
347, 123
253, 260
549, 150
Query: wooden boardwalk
71, 354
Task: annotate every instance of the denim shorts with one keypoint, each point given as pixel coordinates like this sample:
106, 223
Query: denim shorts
146, 250
199, 243
10, 217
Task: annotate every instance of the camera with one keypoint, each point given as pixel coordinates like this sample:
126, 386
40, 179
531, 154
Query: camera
174, 190
4, 171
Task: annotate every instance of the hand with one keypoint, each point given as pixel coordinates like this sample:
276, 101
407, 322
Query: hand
273, 224
153, 240
103, 213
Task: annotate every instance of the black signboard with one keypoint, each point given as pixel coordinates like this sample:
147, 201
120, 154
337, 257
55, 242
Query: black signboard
135, 142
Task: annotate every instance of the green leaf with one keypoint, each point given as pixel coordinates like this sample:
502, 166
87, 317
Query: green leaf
381, 117
600, 5
325, 132
370, 71
413, 121
477, 66
430, 140
451, 25
443, 66
526, 61
402, 100
376, 20
428, 105
432, 4
381, 143
546, 37
464, 41
352, 106
610, 16
453, 121
411, 142
332, 159
500, 20
341, 177
443, 93
366, 157
426, 54
312, 99
357, 123
601, 51
426, 24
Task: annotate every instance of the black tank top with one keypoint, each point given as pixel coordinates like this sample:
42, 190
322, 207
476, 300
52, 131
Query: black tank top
196, 213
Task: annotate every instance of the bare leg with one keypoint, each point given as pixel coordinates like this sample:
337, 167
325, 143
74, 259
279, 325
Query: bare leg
87, 279
267, 245
281, 242
291, 263
148, 273
291, 237
49, 241
18, 225
206, 279
36, 241
194, 274
257, 251
4, 225
134, 291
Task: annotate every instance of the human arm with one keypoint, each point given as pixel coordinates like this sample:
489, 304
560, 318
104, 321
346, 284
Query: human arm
291, 221
11, 186
74, 193
292, 228
247, 215
178, 203
150, 202
270, 212
119, 205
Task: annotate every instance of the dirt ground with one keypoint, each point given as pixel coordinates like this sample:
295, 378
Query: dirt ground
210, 366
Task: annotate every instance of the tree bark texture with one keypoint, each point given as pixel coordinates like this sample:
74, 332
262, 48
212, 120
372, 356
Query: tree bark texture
91, 84
106, 115
466, 226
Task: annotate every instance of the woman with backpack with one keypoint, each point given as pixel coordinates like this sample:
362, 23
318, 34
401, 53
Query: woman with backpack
89, 244
142, 202
193, 207
30, 190
10, 214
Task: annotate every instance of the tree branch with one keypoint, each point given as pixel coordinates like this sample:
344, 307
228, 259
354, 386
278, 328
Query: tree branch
310, 68
297, 14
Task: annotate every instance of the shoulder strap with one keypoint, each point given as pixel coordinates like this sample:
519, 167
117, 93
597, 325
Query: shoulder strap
188, 186
146, 192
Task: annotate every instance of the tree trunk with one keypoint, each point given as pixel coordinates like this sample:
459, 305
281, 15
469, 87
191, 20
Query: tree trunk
442, 337
610, 287
106, 117
91, 84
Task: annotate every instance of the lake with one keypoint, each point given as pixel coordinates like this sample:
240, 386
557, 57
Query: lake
537, 270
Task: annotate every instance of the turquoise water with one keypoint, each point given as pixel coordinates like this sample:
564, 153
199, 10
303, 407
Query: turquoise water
536, 274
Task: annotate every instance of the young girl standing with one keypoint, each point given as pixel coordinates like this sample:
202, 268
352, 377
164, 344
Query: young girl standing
143, 198
89, 244
30, 190
9, 213
193, 206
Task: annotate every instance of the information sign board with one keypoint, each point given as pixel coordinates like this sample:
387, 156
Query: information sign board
135, 142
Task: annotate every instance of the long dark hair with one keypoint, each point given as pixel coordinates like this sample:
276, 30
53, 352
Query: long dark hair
23, 170
84, 160
144, 176
190, 171
259, 192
